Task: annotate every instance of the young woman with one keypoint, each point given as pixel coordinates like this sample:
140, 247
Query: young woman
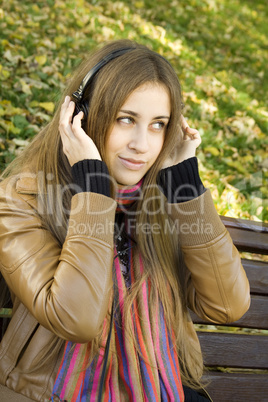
107, 237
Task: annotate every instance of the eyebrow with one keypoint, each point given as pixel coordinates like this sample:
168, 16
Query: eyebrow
138, 115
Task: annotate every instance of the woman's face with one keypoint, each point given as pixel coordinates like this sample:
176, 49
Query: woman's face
137, 135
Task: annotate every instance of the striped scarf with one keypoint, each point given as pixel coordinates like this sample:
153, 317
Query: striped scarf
126, 196
150, 374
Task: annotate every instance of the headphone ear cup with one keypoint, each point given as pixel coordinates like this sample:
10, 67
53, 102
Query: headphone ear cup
76, 109
84, 109
81, 107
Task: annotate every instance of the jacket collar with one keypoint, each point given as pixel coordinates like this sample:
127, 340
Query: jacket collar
27, 184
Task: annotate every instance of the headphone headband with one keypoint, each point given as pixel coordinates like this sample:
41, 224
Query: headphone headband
78, 95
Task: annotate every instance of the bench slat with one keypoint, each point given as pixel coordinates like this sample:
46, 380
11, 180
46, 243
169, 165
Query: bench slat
237, 387
248, 235
234, 350
244, 224
243, 241
257, 273
255, 317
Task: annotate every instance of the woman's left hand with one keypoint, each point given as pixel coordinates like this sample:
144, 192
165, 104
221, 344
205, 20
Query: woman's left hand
186, 148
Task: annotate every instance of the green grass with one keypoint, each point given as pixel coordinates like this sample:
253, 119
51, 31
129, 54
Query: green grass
217, 47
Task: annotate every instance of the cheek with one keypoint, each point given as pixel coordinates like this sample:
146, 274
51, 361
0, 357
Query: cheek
110, 145
114, 140
159, 146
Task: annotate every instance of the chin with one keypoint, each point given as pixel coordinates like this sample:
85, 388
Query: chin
128, 182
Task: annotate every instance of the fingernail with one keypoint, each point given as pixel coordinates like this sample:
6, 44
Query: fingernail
67, 98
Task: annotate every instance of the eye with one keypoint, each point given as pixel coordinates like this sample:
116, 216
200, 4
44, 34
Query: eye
126, 120
158, 125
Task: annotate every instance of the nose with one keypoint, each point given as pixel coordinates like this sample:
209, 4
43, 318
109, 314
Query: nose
139, 141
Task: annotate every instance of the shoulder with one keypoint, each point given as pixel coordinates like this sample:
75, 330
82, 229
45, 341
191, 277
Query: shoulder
19, 192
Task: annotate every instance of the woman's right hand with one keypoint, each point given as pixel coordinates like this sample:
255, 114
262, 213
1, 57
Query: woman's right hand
77, 145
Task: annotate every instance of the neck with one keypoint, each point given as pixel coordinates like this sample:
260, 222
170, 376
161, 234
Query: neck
127, 195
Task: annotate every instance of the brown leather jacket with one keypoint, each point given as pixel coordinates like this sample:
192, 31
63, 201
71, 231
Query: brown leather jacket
62, 293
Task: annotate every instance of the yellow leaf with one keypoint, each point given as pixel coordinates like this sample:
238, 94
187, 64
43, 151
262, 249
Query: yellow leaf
10, 20
41, 60
5, 42
34, 103
4, 74
48, 106
139, 4
9, 108
212, 150
25, 87
9, 126
236, 165
59, 40
35, 8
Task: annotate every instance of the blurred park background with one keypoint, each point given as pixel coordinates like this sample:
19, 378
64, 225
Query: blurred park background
219, 49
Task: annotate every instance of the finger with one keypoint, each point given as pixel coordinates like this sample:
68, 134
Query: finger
187, 130
78, 117
193, 136
67, 109
64, 106
184, 123
66, 117
77, 123
70, 111
191, 131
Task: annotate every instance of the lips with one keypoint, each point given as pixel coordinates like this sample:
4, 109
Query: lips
132, 164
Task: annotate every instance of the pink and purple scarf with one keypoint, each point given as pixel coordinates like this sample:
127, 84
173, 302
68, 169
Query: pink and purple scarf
152, 374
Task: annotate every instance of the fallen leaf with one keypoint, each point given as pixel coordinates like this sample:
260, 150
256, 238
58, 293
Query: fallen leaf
48, 106
41, 60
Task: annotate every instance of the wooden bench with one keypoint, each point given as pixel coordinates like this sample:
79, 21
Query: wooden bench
237, 358
237, 362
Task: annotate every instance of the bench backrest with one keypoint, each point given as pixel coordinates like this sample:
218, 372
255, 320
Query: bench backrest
237, 359
237, 355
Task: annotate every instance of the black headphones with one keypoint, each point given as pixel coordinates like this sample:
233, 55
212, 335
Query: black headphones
82, 105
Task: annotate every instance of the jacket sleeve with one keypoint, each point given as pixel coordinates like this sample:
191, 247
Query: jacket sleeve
218, 288
66, 288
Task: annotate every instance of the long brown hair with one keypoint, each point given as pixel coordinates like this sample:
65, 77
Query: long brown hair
162, 259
